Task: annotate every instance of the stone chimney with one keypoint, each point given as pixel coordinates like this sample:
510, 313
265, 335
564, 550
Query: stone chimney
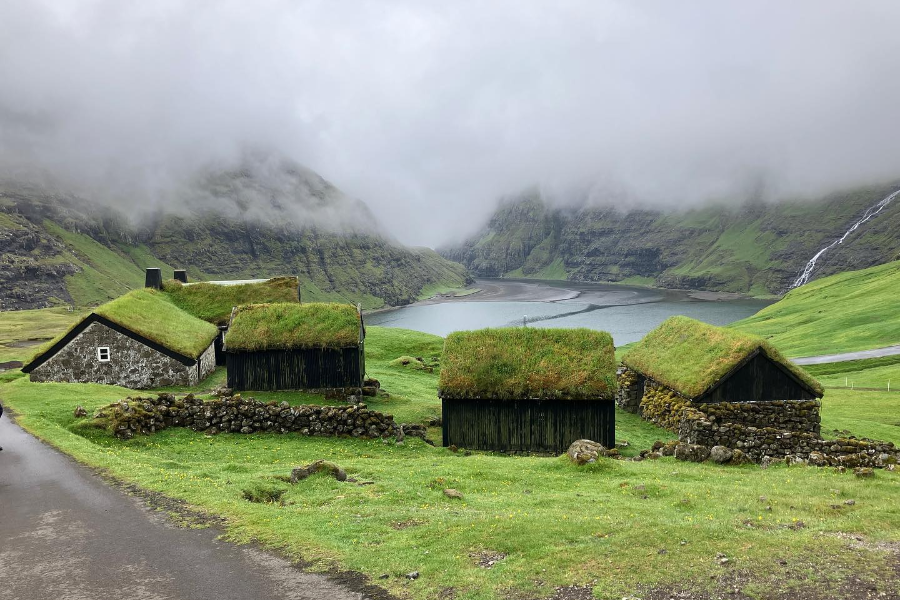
181, 275
153, 278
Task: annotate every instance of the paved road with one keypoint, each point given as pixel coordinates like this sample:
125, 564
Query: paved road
861, 354
66, 534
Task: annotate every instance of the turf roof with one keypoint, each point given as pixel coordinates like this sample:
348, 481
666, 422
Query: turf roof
528, 362
150, 314
290, 326
213, 302
690, 357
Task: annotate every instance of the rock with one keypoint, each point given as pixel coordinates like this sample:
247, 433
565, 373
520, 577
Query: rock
691, 452
80, 412
369, 382
452, 493
850, 502
383, 576
413, 575
370, 391
817, 459
582, 452
765, 462
864, 472
301, 473
720, 454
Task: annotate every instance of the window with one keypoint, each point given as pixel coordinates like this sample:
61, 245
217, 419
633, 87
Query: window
103, 353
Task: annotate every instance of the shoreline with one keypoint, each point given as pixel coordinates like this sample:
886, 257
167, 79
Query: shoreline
541, 290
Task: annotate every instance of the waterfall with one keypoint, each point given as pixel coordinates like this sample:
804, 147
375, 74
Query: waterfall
871, 212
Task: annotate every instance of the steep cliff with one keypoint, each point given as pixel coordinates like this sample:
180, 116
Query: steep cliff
757, 248
61, 248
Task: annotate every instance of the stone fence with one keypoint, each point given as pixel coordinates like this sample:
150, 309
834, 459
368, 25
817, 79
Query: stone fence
235, 414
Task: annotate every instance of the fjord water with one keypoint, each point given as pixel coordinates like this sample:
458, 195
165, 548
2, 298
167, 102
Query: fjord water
627, 312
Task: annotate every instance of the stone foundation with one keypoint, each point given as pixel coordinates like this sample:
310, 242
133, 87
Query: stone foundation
134, 416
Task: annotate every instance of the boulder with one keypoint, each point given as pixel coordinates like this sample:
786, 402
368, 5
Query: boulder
452, 493
817, 459
720, 454
80, 412
691, 452
582, 452
864, 472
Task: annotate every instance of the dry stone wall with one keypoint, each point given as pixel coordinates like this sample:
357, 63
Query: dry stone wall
630, 391
135, 416
777, 429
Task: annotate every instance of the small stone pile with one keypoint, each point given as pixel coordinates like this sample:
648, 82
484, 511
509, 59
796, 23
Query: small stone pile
146, 415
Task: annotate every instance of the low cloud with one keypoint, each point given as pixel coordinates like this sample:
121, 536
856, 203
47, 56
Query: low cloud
430, 111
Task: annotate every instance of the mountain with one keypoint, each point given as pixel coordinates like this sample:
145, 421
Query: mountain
262, 219
757, 248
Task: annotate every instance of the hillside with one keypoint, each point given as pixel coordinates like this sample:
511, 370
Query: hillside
856, 310
756, 248
59, 248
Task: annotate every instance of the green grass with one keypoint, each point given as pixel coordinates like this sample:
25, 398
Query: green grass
614, 516
690, 356
21, 331
213, 303
432, 290
527, 362
556, 270
874, 373
286, 326
856, 310
874, 415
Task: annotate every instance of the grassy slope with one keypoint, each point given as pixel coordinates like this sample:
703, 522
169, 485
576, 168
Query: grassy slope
613, 516
214, 303
857, 310
21, 331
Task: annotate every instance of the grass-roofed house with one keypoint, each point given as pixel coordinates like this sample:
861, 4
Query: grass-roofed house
213, 301
686, 375
140, 340
527, 389
289, 346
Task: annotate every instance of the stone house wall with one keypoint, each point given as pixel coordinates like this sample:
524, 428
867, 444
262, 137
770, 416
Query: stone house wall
206, 362
630, 390
131, 363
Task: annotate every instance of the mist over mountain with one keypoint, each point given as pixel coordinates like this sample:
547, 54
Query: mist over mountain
431, 111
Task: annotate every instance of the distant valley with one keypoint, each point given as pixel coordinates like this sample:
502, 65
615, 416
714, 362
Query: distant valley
757, 249
254, 221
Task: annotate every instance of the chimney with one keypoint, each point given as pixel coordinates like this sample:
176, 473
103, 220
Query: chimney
153, 278
181, 275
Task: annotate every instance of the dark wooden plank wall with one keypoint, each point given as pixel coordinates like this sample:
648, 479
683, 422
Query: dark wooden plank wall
295, 369
527, 425
760, 380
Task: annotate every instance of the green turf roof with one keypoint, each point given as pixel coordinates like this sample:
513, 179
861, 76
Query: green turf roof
287, 326
528, 362
213, 302
690, 357
150, 314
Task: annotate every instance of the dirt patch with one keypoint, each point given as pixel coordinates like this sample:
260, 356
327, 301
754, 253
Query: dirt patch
486, 559
9, 365
398, 525
26, 343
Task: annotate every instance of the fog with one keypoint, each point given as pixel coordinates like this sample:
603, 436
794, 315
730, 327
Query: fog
431, 111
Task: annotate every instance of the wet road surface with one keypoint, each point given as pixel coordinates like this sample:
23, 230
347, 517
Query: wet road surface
66, 534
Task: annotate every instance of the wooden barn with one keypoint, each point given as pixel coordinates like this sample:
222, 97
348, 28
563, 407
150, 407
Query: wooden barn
289, 346
527, 389
708, 364
140, 340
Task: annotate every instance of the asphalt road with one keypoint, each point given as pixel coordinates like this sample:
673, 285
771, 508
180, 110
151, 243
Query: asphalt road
66, 534
860, 355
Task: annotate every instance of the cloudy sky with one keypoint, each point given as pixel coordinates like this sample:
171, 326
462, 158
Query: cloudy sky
430, 111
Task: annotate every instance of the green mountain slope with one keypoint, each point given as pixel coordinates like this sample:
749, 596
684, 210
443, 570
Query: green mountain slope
856, 310
57, 248
756, 248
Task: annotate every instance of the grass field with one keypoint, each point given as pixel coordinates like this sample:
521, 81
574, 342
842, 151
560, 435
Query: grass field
604, 526
856, 310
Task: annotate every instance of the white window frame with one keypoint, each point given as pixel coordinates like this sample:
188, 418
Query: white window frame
100, 351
